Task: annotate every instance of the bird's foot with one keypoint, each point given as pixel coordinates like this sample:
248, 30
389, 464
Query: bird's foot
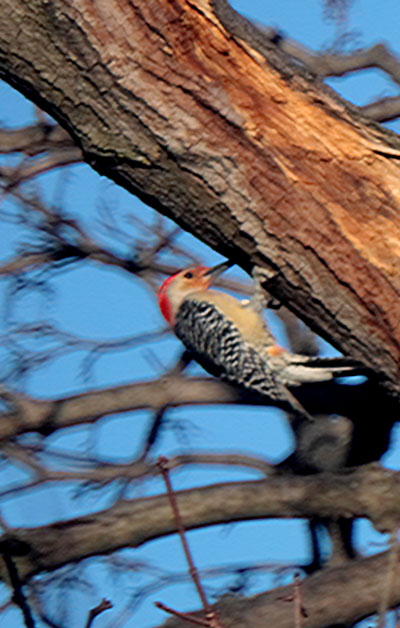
260, 298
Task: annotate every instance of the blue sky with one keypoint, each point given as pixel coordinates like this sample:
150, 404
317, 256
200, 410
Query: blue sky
98, 303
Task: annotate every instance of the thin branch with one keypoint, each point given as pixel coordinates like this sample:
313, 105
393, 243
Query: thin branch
18, 596
187, 617
153, 431
103, 474
30, 168
299, 611
34, 139
325, 64
382, 110
162, 464
104, 605
68, 343
209, 612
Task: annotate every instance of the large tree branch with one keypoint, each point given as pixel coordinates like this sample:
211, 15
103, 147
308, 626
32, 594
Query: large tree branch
371, 492
339, 596
258, 160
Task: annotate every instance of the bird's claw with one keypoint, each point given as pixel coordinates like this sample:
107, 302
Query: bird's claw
259, 298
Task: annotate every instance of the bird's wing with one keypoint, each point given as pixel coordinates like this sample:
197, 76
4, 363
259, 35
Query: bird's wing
218, 346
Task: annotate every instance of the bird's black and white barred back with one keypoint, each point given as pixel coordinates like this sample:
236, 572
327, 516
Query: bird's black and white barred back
218, 346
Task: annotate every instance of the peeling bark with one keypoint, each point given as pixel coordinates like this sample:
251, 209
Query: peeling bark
258, 159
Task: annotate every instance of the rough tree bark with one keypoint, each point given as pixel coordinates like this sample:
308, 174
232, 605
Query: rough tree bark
184, 104
233, 142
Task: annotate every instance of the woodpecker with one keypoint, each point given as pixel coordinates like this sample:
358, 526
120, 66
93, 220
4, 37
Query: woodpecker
230, 339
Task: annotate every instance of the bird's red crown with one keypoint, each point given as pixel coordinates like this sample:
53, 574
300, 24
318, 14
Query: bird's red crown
186, 280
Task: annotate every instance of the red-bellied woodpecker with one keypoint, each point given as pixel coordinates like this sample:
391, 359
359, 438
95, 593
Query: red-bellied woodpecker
231, 340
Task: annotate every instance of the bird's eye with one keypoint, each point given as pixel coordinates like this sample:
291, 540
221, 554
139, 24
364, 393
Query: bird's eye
188, 275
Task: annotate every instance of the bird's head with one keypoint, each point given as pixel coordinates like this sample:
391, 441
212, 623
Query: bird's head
176, 288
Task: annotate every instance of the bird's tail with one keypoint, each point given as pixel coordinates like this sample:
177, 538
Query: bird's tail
310, 369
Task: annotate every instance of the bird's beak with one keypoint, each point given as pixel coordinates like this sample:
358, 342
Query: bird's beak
217, 270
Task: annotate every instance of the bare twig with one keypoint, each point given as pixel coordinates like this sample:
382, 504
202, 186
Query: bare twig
18, 596
299, 611
104, 605
185, 616
382, 110
153, 431
104, 474
29, 168
295, 597
163, 465
34, 139
209, 612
